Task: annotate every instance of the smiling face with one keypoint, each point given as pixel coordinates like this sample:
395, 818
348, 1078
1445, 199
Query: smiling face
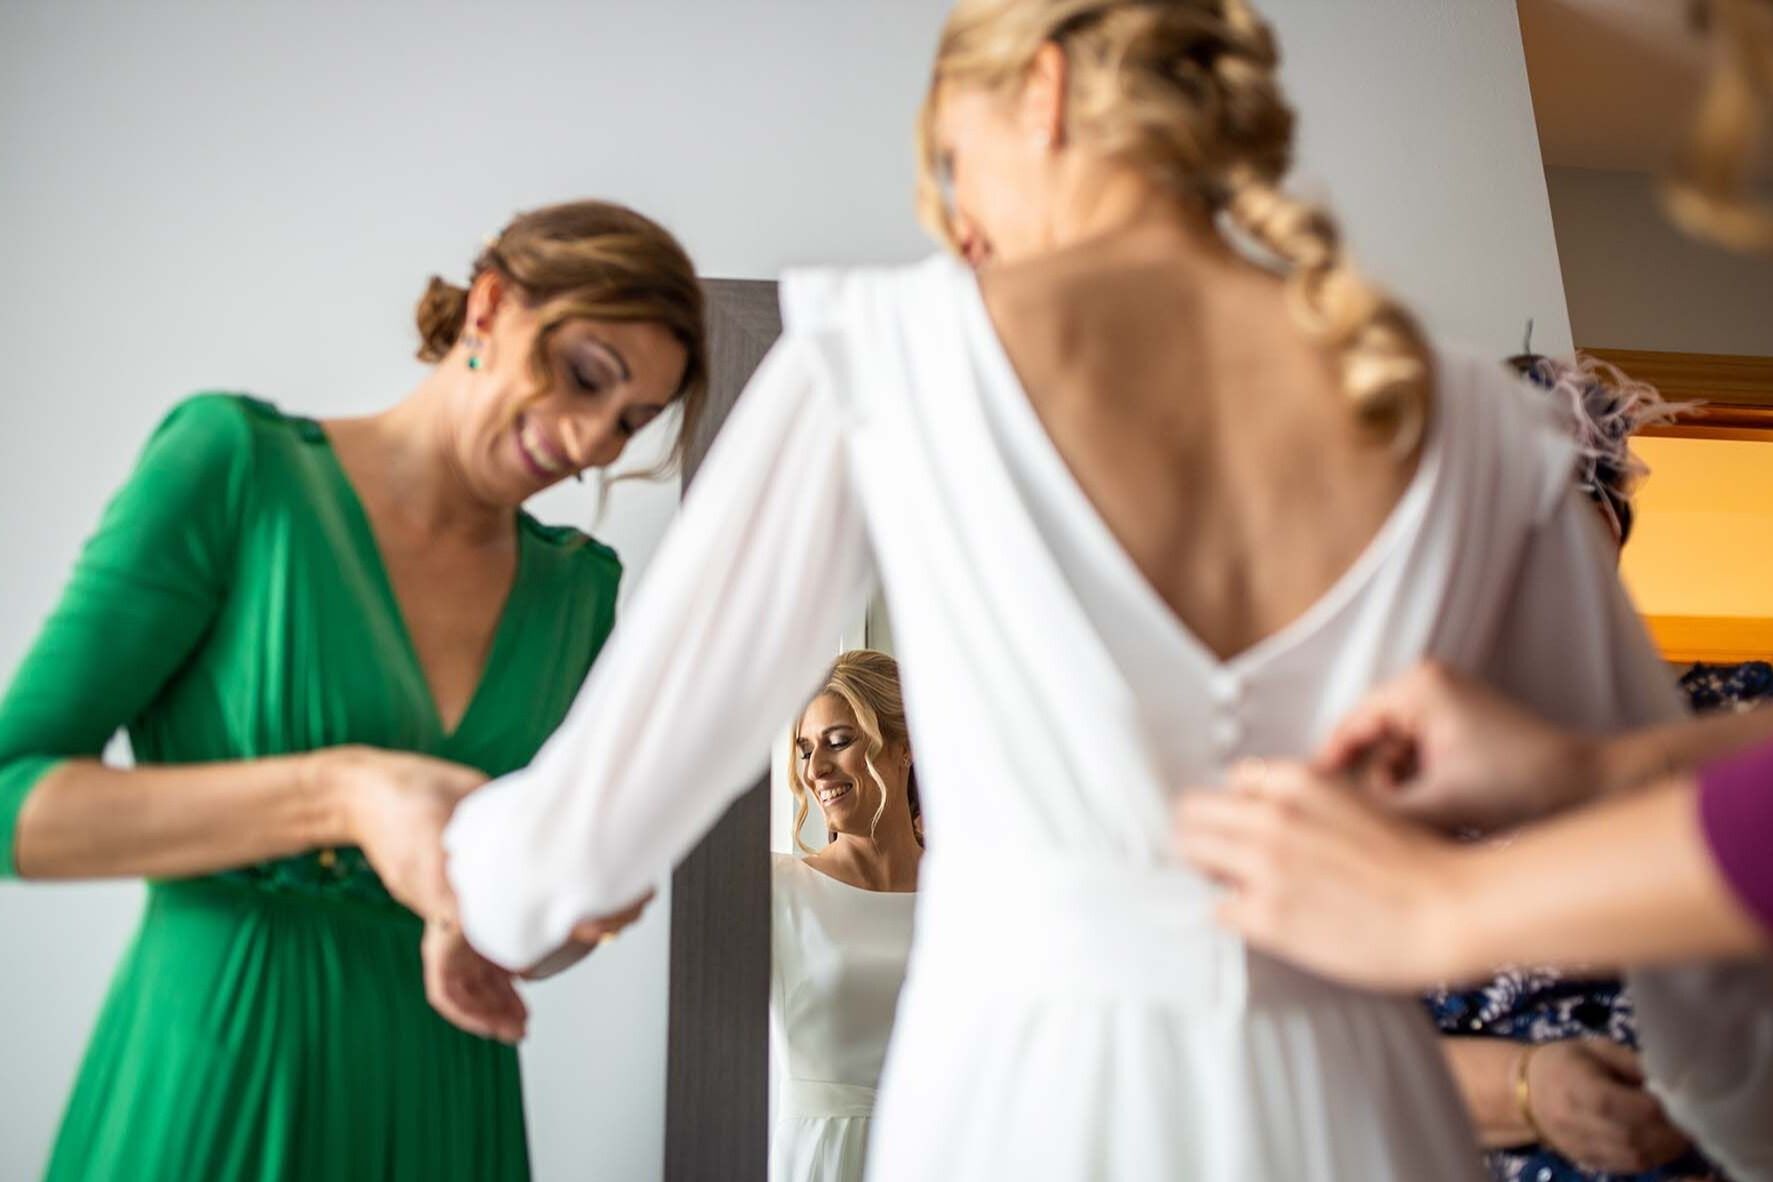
605, 380
832, 764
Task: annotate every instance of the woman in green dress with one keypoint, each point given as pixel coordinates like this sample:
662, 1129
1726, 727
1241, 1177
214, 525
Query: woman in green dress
319, 636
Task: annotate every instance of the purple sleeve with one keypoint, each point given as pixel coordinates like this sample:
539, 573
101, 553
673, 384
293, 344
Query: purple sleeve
1736, 812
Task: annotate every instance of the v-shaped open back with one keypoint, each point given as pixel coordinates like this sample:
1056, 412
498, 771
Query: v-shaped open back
1099, 537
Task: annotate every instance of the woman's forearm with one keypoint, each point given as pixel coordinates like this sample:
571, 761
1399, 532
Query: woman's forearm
86, 820
1642, 757
1629, 881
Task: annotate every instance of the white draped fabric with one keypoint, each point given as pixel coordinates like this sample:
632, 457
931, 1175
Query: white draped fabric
1070, 1012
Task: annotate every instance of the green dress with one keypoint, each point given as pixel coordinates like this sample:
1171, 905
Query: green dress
270, 1022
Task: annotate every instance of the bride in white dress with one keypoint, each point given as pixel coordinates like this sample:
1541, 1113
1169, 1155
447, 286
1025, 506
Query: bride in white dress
1139, 506
841, 920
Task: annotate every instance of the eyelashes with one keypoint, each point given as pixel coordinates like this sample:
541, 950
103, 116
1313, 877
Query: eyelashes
588, 385
630, 424
806, 753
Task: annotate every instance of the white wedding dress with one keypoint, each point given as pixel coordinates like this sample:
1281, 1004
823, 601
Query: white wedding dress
838, 957
1071, 1011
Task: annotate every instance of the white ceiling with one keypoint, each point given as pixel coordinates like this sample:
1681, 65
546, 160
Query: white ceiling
1615, 82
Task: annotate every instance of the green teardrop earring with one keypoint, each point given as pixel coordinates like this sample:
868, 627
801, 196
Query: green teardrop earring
473, 361
473, 342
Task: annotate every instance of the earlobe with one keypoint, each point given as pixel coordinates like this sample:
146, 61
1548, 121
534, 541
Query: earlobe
484, 299
1043, 99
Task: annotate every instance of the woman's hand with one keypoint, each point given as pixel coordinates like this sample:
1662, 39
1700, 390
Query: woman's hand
586, 938
1442, 749
394, 806
1587, 1097
1321, 877
470, 991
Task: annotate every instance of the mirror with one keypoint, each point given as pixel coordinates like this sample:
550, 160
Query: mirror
846, 839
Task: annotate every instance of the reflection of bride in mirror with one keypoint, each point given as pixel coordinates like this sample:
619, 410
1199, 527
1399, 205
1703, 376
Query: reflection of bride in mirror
842, 918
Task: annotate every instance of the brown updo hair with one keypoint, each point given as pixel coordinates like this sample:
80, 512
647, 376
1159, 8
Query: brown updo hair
591, 260
1186, 92
868, 682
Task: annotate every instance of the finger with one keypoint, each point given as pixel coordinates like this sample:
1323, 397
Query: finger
1311, 807
513, 1008
1387, 766
465, 993
1351, 739
1269, 925
1228, 837
443, 988
1623, 1128
1220, 859
1625, 1106
1249, 776
1658, 1143
459, 1017
1624, 1149
481, 996
482, 991
444, 997
1299, 830
597, 933
603, 928
1620, 1060
1387, 716
490, 1004
1235, 914
1401, 709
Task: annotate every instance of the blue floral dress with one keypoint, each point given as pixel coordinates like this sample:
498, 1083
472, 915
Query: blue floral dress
1539, 1005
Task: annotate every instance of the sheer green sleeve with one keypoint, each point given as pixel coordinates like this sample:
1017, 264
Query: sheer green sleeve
144, 592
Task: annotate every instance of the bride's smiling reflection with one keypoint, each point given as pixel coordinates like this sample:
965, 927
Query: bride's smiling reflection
842, 918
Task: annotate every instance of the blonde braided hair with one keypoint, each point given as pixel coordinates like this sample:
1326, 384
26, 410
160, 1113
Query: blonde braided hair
1186, 92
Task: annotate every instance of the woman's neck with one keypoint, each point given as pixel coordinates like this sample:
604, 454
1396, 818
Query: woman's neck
887, 861
1106, 201
408, 454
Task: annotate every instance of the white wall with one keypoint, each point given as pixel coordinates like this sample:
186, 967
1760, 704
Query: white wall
1418, 116
1635, 282
250, 196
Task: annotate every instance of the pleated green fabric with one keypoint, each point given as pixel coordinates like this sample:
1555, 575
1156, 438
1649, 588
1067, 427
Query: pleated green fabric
269, 1023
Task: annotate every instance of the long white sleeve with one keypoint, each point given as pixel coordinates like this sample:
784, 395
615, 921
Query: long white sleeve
1576, 650
732, 627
